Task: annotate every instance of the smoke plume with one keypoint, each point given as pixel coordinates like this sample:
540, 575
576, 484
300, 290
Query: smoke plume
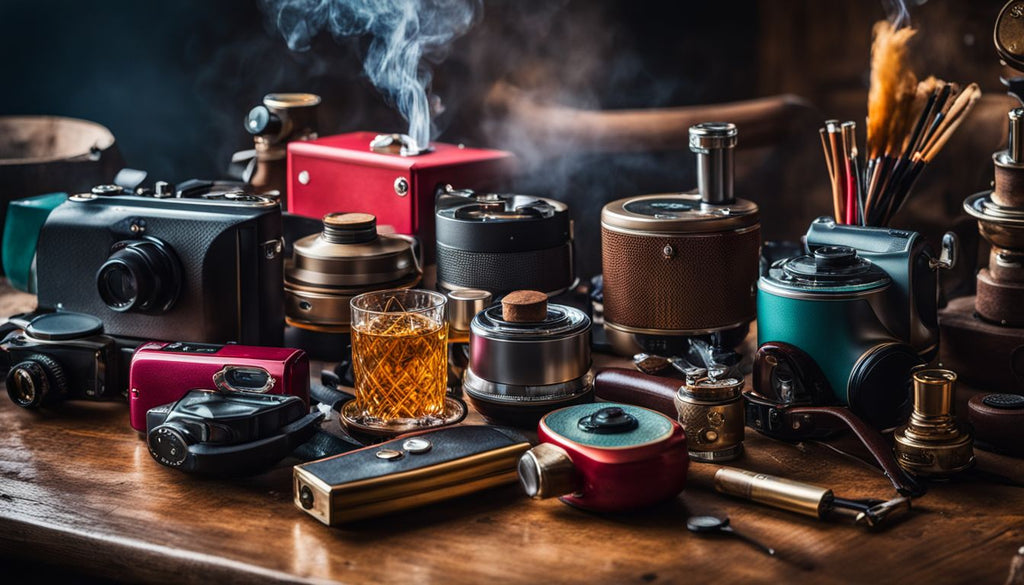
406, 37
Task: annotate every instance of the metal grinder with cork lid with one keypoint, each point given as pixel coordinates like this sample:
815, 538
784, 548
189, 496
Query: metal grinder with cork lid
348, 258
679, 265
528, 357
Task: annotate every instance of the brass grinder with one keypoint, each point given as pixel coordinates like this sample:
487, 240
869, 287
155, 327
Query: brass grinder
345, 260
933, 444
983, 336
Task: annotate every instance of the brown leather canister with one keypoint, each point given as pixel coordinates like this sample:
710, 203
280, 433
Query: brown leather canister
998, 421
676, 266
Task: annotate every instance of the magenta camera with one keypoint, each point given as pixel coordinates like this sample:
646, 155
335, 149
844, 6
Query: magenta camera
163, 372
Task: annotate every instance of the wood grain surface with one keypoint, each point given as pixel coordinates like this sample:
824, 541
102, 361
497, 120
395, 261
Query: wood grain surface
78, 489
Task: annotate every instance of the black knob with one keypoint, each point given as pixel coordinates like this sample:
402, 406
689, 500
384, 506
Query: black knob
834, 257
168, 444
261, 121
609, 420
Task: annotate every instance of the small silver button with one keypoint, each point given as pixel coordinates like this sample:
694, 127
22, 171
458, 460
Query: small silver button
304, 177
417, 446
389, 455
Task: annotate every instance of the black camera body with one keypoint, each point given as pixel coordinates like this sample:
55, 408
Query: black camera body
202, 263
60, 356
228, 433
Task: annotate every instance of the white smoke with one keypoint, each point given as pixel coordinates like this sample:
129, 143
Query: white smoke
897, 13
407, 37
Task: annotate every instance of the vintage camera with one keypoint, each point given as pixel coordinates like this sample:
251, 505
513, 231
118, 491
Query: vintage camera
501, 243
836, 307
203, 262
280, 119
407, 472
606, 457
388, 176
909, 261
52, 357
228, 433
679, 265
163, 372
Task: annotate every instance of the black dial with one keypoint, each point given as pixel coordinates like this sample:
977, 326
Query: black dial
168, 445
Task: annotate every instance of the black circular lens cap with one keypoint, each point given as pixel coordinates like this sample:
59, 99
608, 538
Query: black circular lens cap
1004, 401
61, 326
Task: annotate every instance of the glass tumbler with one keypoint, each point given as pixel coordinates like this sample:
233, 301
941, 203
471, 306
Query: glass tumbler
399, 355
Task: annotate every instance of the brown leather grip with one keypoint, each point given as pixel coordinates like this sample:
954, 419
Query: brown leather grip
879, 448
632, 387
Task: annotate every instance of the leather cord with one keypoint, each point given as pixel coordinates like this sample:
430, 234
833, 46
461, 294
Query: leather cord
658, 393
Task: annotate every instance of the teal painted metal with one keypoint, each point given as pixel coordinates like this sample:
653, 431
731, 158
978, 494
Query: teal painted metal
830, 331
652, 426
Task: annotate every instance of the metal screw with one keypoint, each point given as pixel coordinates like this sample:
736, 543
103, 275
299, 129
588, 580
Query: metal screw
304, 177
401, 187
668, 251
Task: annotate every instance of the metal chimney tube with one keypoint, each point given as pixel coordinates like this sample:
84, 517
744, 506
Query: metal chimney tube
714, 143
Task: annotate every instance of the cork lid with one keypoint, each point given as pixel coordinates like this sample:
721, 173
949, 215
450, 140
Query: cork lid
524, 306
527, 315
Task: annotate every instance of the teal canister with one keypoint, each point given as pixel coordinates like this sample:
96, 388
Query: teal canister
832, 306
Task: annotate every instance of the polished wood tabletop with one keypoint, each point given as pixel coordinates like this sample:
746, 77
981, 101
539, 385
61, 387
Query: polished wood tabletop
79, 490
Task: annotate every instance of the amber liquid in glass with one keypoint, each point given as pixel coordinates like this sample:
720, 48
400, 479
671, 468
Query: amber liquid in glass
400, 362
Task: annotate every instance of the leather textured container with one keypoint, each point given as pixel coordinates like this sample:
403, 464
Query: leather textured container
663, 280
678, 265
998, 421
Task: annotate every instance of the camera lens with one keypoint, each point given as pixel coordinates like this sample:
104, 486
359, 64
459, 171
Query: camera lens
142, 276
32, 380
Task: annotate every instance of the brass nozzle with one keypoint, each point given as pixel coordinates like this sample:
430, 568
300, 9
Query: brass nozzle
932, 443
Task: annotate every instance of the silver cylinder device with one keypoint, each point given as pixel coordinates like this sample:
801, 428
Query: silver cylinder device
714, 144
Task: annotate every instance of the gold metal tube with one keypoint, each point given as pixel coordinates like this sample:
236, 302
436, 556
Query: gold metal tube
777, 492
933, 392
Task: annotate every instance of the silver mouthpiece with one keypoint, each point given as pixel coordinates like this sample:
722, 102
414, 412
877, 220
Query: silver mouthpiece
1015, 149
714, 143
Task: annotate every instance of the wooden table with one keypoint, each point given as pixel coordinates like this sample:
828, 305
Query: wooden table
78, 489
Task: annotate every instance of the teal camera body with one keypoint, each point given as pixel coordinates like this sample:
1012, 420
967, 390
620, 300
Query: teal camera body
836, 307
912, 297
25, 217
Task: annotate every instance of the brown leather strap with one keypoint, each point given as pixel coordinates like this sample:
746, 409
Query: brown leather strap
879, 448
632, 387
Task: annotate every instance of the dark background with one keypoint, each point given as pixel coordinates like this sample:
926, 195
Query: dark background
172, 80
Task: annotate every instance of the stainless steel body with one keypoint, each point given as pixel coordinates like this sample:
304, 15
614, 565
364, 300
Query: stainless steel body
518, 371
552, 352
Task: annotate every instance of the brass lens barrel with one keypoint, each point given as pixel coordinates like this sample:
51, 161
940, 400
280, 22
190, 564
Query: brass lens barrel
795, 496
933, 392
